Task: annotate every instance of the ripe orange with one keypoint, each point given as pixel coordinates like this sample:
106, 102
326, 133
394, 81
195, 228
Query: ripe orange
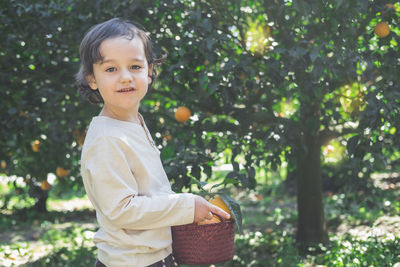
3, 164
214, 219
182, 114
389, 6
268, 230
61, 172
35, 145
382, 29
45, 185
219, 202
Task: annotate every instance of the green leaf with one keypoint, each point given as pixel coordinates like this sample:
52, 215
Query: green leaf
314, 54
297, 52
234, 207
352, 144
301, 6
339, 3
198, 183
167, 153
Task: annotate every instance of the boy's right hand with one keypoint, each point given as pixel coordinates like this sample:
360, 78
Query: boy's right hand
204, 210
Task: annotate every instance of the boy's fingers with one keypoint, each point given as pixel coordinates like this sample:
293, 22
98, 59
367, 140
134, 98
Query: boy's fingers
220, 212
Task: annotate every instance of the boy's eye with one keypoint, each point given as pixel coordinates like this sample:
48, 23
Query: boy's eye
110, 69
135, 67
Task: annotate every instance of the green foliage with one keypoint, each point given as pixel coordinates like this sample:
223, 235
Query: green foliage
79, 256
73, 245
65, 238
263, 80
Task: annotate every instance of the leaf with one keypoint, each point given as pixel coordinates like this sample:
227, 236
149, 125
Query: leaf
314, 54
234, 207
168, 153
297, 52
230, 181
215, 186
339, 3
207, 170
301, 6
198, 183
196, 171
352, 144
12, 111
210, 43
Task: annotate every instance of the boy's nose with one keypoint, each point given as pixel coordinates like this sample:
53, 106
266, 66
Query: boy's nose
126, 76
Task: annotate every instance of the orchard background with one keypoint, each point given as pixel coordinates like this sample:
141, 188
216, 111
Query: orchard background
295, 112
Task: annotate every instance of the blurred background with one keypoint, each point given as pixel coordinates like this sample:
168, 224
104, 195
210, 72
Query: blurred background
294, 114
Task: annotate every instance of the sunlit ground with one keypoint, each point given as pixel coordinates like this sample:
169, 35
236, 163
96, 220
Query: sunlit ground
269, 215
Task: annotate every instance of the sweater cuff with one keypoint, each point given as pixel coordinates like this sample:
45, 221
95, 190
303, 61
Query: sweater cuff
188, 207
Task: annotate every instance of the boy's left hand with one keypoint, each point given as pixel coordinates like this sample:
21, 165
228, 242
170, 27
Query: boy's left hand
204, 210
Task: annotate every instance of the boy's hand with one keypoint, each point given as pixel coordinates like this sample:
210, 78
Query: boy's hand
204, 210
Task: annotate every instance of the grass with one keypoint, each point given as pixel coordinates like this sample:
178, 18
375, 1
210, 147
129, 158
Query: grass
364, 229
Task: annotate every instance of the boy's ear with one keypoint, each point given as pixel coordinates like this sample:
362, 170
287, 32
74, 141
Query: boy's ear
92, 82
150, 76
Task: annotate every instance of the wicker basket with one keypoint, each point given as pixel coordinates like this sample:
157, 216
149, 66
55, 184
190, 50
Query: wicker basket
194, 244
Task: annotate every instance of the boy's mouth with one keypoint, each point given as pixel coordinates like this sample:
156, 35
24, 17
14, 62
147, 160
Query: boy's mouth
126, 90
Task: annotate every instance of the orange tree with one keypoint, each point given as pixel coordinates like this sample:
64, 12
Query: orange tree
268, 81
280, 81
43, 119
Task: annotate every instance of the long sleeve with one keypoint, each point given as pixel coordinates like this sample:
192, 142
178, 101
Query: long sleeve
126, 182
114, 190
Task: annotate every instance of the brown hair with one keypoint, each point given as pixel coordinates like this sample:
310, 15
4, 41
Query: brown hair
90, 52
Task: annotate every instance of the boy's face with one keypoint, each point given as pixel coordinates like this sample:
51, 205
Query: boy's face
123, 76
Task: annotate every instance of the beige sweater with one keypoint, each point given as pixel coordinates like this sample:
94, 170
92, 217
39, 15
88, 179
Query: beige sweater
126, 183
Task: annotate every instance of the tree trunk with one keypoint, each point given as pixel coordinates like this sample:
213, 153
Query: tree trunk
40, 205
311, 221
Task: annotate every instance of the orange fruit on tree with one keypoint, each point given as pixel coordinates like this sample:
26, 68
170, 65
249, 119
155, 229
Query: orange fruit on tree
389, 6
382, 29
268, 230
182, 114
167, 137
35, 145
61, 172
45, 185
3, 164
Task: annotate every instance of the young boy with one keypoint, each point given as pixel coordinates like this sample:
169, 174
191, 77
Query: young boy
120, 164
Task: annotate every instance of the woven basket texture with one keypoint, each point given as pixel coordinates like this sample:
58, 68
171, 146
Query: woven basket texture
194, 244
